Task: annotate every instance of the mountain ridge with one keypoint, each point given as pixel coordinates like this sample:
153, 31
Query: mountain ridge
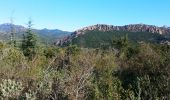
130, 28
126, 28
45, 34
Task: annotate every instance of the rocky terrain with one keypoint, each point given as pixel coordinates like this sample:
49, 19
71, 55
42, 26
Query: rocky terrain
129, 28
62, 36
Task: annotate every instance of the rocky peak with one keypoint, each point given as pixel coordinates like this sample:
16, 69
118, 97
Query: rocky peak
129, 28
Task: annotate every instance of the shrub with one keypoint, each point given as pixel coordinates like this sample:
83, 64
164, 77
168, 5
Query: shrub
10, 88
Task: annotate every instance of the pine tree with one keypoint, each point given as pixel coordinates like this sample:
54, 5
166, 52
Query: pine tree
12, 33
29, 42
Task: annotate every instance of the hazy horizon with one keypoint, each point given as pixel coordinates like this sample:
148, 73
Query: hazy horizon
74, 14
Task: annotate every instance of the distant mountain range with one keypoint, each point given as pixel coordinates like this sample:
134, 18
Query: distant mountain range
46, 35
92, 35
101, 33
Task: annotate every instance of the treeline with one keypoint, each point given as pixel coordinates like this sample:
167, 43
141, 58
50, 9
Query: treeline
120, 72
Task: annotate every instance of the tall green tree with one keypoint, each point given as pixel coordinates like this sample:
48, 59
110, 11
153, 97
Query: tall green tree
29, 42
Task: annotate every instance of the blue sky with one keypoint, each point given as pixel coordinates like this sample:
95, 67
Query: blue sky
70, 15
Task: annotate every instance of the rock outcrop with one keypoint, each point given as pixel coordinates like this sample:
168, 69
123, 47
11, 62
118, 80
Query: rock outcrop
130, 28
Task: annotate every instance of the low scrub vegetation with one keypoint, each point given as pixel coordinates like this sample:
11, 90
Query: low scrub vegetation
121, 72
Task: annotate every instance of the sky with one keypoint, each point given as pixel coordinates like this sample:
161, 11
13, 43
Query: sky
70, 15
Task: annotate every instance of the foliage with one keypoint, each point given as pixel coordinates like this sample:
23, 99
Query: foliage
121, 72
10, 88
30, 95
29, 42
51, 52
98, 39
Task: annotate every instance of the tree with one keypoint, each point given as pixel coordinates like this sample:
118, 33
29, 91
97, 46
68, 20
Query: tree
12, 33
29, 42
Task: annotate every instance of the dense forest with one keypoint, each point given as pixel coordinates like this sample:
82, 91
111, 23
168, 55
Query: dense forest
123, 71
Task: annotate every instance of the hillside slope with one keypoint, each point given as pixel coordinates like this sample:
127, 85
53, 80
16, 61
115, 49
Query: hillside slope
97, 38
97, 35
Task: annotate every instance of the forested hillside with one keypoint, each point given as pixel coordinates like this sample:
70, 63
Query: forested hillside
99, 35
97, 38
